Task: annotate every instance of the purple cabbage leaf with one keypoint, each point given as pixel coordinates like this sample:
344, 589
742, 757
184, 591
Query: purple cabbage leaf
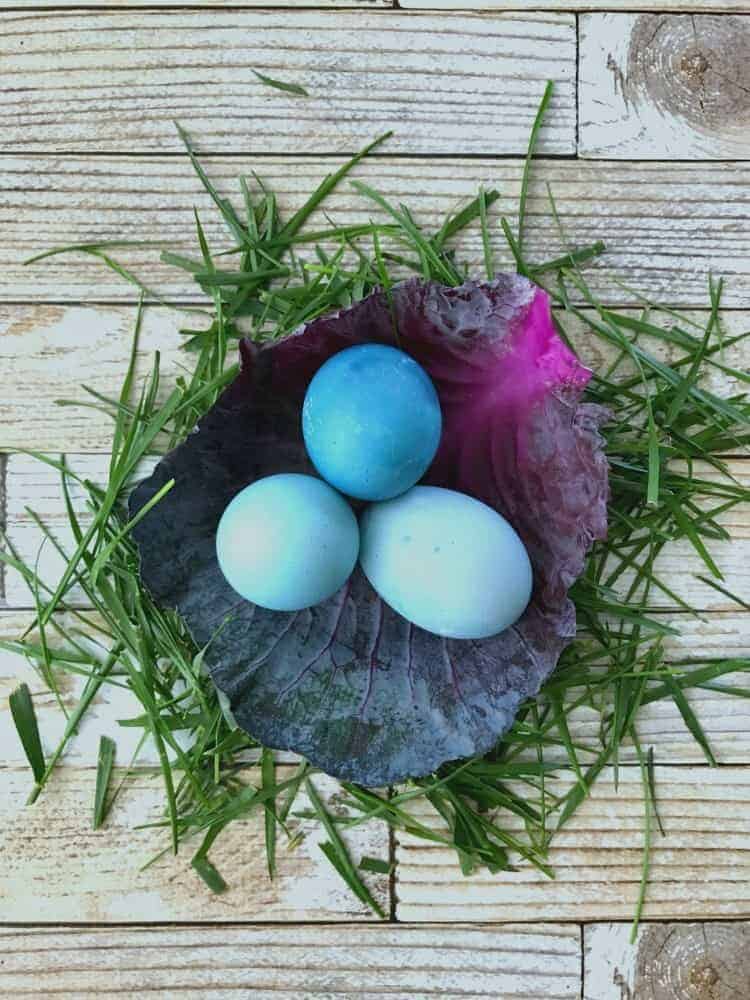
350, 684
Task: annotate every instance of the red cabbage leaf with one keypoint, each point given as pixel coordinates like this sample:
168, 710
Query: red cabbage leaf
350, 684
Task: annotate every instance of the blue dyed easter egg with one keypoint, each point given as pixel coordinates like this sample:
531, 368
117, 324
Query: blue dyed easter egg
371, 422
446, 562
287, 542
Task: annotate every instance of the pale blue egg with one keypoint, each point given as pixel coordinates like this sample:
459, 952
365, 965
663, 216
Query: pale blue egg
371, 421
446, 562
287, 542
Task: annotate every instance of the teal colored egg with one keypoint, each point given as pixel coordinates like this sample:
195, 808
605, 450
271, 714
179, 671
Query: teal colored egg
287, 542
371, 422
446, 562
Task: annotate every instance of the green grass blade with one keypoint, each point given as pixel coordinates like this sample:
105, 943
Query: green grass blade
24, 717
683, 390
327, 186
204, 867
646, 853
268, 778
105, 763
489, 263
689, 717
288, 88
652, 788
533, 137
336, 852
375, 865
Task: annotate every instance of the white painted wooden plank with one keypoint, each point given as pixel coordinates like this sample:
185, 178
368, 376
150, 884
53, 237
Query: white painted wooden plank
685, 6
295, 962
700, 870
223, 4
724, 718
666, 225
33, 484
117, 82
662, 86
697, 961
48, 352
57, 869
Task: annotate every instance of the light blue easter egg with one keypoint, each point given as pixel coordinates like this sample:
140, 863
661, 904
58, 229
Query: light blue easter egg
287, 542
371, 422
446, 562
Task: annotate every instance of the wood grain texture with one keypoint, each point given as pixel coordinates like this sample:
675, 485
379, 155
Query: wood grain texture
116, 82
724, 718
82, 875
49, 351
558, 6
660, 86
694, 961
295, 962
223, 4
666, 225
685, 6
30, 483
700, 870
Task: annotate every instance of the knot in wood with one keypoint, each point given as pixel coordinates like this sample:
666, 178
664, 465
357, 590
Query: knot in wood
703, 977
691, 68
694, 65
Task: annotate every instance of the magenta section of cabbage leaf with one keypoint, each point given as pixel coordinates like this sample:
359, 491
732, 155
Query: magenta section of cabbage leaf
350, 684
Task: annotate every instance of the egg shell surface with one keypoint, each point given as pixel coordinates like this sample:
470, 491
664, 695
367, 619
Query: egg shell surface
446, 562
371, 421
287, 542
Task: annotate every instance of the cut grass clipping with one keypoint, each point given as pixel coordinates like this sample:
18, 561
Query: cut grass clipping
275, 275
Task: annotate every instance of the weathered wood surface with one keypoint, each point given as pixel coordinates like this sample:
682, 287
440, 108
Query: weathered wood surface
684, 6
84, 875
724, 718
34, 5
30, 483
701, 869
698, 961
660, 86
114, 82
666, 225
295, 962
48, 352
